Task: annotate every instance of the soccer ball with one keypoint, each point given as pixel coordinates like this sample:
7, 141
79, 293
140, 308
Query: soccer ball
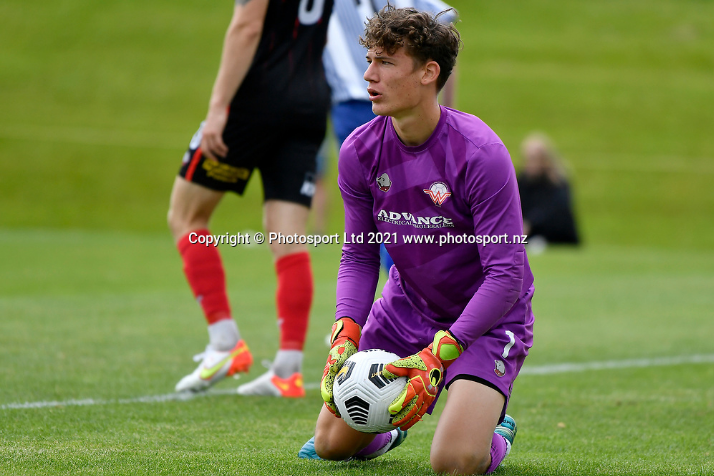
362, 395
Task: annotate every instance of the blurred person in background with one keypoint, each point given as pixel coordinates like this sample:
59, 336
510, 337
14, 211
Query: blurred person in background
345, 65
268, 110
545, 195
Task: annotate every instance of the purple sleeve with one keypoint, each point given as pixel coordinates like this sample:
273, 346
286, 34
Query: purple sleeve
496, 208
359, 267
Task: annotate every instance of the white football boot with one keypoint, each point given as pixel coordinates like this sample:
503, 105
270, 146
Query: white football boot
215, 365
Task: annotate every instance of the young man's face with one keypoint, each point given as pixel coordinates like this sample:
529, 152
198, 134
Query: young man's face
394, 82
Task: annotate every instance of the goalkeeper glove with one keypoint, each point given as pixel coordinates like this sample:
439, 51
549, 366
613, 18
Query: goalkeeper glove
344, 343
424, 372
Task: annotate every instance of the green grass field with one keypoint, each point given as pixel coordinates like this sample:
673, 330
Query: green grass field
99, 100
96, 315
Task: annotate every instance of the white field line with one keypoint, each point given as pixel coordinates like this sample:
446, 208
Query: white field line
617, 364
527, 370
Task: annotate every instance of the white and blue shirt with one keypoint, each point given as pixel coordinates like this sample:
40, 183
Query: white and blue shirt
344, 57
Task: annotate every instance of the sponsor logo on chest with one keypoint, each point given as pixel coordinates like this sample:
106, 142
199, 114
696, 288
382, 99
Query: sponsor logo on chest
404, 218
438, 192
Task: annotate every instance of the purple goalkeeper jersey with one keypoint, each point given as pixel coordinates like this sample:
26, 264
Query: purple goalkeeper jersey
433, 205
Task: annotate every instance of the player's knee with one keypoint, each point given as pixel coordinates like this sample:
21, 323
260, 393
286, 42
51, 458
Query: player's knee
182, 222
282, 250
177, 223
453, 461
327, 448
170, 217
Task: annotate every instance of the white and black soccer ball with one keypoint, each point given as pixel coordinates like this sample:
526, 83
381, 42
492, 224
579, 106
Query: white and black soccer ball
362, 395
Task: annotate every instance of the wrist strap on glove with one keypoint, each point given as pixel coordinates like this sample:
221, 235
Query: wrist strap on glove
345, 329
446, 348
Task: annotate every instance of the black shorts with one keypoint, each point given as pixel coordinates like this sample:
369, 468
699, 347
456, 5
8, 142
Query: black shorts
284, 151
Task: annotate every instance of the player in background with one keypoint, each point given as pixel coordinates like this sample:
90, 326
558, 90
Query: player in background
459, 315
345, 67
268, 111
546, 198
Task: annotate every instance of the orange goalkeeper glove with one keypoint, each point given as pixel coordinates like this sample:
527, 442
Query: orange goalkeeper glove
424, 372
345, 342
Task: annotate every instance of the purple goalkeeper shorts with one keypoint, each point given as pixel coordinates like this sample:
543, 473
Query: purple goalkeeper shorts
493, 360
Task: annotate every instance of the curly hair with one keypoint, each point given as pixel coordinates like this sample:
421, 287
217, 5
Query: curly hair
420, 33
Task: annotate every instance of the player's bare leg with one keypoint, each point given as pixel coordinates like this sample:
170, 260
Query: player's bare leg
293, 301
190, 211
335, 440
191, 207
463, 439
287, 218
320, 205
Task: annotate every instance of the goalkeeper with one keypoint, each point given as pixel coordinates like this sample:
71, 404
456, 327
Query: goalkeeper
459, 315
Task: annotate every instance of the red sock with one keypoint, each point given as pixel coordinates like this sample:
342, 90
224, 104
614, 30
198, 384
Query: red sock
204, 271
293, 299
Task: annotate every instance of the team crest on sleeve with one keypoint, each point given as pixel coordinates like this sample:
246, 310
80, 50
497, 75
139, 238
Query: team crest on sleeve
384, 183
439, 192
